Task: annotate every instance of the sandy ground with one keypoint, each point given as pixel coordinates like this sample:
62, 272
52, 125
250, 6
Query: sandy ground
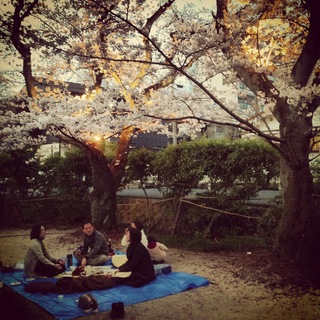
242, 286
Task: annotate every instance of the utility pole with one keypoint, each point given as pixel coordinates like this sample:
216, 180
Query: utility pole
174, 133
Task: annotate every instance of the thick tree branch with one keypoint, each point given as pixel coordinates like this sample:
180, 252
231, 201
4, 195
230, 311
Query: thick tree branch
311, 51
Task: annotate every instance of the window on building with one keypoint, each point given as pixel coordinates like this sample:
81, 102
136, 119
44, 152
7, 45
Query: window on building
243, 103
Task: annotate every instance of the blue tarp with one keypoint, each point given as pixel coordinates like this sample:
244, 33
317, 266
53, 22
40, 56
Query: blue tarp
66, 307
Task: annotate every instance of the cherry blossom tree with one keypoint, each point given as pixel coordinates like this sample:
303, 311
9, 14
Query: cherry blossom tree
32, 25
274, 50
137, 50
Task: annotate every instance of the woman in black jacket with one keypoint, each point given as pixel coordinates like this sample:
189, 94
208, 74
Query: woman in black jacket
139, 262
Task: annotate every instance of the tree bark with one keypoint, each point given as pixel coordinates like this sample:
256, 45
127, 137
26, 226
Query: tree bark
298, 233
21, 12
178, 193
103, 194
106, 180
119, 163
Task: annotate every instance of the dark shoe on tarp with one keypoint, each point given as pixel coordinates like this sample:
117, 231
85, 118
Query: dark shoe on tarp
117, 310
120, 310
113, 314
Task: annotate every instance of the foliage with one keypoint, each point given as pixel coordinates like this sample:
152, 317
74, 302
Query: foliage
224, 162
18, 174
233, 181
18, 180
56, 189
269, 221
238, 169
176, 167
219, 224
69, 174
200, 244
65, 210
140, 165
68, 180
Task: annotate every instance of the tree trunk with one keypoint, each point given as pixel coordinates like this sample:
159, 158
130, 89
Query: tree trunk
103, 194
178, 193
21, 47
119, 163
298, 233
106, 180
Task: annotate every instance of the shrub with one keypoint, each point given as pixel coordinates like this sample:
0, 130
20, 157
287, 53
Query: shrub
269, 221
198, 243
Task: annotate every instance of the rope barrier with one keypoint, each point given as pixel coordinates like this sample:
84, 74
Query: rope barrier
218, 210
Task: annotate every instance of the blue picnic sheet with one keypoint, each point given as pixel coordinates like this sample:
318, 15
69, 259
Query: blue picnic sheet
65, 307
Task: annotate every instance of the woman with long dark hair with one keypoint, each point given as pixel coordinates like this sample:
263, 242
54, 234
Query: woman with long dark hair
139, 261
38, 262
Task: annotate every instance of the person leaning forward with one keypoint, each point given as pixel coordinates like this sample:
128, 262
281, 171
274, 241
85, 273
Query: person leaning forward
94, 250
38, 262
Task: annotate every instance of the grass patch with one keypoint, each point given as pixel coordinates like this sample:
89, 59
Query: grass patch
200, 244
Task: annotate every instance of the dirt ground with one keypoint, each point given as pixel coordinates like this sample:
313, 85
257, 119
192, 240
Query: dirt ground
243, 286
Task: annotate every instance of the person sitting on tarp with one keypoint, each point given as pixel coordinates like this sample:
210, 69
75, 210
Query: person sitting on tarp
157, 250
38, 262
95, 250
139, 262
137, 225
